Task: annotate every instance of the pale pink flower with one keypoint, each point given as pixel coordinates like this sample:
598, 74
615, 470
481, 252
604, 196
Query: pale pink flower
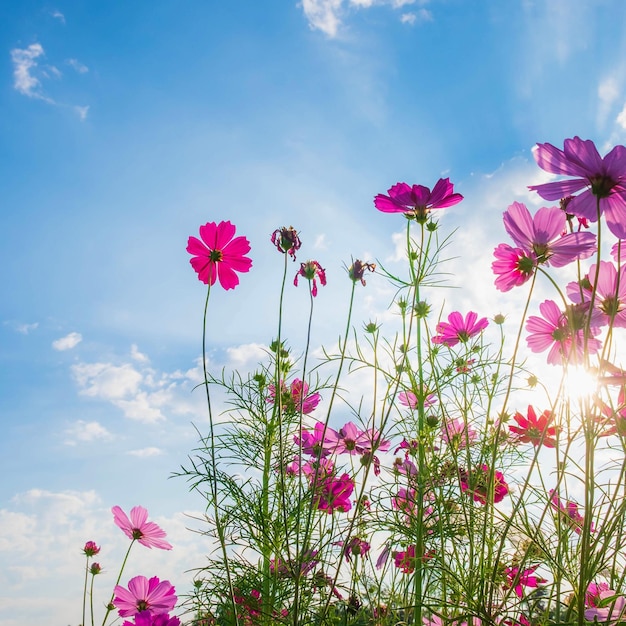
513, 266
458, 329
610, 608
542, 235
602, 179
154, 595
219, 255
408, 398
138, 527
351, 440
457, 433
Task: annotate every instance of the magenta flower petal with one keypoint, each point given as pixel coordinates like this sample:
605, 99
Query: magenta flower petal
154, 596
457, 329
219, 255
418, 200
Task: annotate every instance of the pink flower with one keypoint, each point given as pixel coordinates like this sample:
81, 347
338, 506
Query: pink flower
457, 329
154, 595
535, 430
408, 398
513, 266
542, 235
603, 180
145, 618
219, 255
405, 560
297, 399
91, 549
592, 597
610, 298
356, 547
569, 513
318, 443
334, 494
417, 201
351, 440
356, 271
480, 482
138, 527
311, 270
457, 433
562, 333
609, 608
95, 569
287, 241
518, 579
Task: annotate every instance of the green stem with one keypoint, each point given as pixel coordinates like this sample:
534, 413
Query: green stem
110, 606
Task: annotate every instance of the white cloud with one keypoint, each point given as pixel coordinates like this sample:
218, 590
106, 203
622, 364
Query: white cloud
143, 407
239, 356
138, 356
56, 14
86, 432
24, 63
408, 18
78, 66
68, 342
105, 380
82, 112
146, 452
621, 118
608, 93
320, 242
323, 15
22, 328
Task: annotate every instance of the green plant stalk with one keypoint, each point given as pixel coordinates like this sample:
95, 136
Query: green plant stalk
110, 606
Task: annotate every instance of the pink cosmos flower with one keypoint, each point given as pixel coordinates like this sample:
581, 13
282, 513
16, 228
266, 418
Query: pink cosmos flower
542, 235
296, 398
351, 440
154, 595
219, 255
603, 180
319, 442
334, 494
592, 597
610, 298
311, 270
513, 266
562, 333
457, 329
356, 547
417, 201
478, 483
609, 609
535, 430
569, 513
145, 618
405, 560
91, 549
456, 432
518, 579
138, 527
408, 398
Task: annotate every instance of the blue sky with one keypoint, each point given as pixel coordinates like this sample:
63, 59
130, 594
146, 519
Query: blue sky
127, 125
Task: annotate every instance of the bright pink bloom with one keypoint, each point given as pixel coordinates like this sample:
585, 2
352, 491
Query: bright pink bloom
542, 235
518, 579
562, 335
405, 560
478, 484
513, 266
154, 595
145, 618
351, 440
405, 501
592, 597
610, 298
91, 549
296, 398
138, 527
318, 470
457, 329
219, 255
535, 430
311, 270
417, 201
334, 494
318, 443
603, 179
569, 513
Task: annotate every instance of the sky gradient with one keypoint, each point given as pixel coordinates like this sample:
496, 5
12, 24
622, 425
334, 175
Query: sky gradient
126, 126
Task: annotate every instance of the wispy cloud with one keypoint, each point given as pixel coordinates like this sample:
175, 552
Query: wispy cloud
68, 342
21, 327
146, 452
78, 66
86, 432
57, 15
24, 65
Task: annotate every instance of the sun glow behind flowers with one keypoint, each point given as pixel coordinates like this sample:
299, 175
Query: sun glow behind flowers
580, 384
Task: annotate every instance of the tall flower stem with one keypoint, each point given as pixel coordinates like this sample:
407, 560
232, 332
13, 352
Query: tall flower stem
110, 606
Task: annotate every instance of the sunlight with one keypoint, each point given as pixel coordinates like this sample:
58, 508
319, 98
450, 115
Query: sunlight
580, 383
